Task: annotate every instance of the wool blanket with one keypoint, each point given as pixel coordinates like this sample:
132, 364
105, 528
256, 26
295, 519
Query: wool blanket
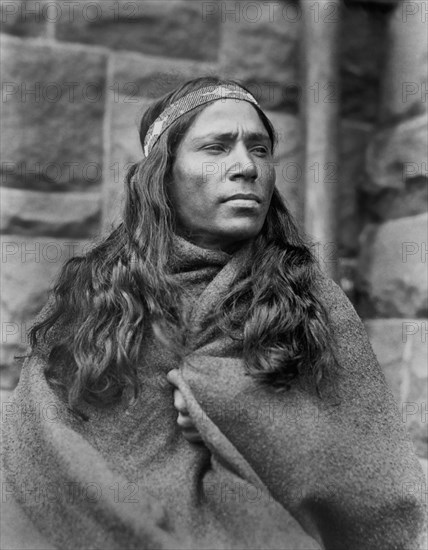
276, 470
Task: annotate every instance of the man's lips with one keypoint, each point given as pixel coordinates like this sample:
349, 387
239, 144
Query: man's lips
243, 196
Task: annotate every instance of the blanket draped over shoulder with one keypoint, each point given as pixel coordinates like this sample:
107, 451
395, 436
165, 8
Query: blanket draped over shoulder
284, 470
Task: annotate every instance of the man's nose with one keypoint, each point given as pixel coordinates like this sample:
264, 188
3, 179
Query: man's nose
244, 166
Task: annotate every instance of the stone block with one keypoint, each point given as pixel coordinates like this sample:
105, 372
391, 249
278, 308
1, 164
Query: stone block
52, 115
123, 151
29, 267
148, 76
26, 17
173, 28
391, 204
72, 215
260, 49
401, 348
397, 154
392, 271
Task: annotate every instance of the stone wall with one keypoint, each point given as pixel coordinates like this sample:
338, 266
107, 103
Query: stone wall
78, 75
392, 265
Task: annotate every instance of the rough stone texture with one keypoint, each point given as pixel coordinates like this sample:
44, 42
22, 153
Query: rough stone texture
399, 203
393, 268
363, 54
25, 17
29, 267
176, 28
401, 347
398, 154
54, 136
149, 76
259, 49
73, 215
124, 150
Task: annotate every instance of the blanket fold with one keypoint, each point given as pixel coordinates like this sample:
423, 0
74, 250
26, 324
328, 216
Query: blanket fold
342, 465
277, 470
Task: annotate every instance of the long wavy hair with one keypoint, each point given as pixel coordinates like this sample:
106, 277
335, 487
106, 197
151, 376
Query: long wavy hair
109, 297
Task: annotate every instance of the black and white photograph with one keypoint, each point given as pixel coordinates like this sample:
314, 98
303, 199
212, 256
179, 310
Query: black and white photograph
214, 284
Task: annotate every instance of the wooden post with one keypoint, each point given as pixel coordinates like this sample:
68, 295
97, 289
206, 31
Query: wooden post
320, 111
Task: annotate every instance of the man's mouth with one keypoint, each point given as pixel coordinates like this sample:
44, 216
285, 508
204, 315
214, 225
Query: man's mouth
243, 196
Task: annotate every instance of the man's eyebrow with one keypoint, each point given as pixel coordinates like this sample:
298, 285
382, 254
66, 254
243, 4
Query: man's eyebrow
231, 136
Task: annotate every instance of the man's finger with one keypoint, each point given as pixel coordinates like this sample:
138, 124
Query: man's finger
192, 436
173, 376
185, 421
179, 402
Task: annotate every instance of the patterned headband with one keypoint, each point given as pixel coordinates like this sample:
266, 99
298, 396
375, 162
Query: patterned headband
189, 102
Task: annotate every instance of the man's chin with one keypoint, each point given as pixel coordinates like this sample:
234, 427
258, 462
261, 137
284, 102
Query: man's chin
236, 236
241, 230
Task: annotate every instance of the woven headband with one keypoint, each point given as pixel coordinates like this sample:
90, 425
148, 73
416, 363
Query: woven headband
189, 102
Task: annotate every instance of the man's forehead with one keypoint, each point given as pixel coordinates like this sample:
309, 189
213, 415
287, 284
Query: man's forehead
231, 135
228, 118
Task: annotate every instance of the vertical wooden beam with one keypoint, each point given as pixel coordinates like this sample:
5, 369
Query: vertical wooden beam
320, 112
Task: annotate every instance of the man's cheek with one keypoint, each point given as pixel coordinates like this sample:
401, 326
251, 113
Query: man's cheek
268, 172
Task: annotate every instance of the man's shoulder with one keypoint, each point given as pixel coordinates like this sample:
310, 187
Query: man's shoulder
327, 289
339, 308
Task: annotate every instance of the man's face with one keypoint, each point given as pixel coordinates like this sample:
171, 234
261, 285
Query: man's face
223, 176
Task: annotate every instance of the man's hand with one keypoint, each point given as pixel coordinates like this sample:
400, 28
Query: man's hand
184, 420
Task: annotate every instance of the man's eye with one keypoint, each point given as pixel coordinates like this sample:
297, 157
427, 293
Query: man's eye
215, 147
260, 150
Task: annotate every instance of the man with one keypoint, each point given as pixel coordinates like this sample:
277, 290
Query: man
292, 439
